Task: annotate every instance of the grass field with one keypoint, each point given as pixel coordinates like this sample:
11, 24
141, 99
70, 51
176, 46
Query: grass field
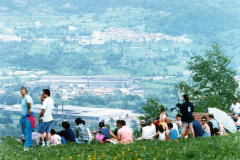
225, 147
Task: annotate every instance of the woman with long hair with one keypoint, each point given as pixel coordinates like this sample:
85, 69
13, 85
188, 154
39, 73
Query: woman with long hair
186, 109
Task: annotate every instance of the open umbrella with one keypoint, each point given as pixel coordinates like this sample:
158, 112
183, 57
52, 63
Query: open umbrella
223, 118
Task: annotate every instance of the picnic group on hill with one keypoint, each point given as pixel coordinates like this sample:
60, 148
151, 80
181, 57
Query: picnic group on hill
163, 128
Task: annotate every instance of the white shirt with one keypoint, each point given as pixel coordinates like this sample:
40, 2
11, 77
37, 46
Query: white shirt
48, 106
235, 108
174, 127
147, 132
154, 129
238, 122
162, 136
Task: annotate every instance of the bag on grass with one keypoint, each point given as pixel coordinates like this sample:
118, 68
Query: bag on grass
100, 138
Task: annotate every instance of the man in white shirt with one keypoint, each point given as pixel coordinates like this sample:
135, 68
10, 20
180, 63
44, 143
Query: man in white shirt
148, 132
45, 117
169, 120
235, 108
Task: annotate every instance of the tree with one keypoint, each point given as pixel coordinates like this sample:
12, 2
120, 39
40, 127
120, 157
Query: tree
111, 122
152, 109
213, 81
58, 96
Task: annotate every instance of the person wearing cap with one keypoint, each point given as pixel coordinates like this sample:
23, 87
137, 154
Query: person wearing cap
237, 121
142, 124
235, 107
45, 116
26, 111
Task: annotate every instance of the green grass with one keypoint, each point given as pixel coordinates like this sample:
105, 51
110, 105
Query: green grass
225, 147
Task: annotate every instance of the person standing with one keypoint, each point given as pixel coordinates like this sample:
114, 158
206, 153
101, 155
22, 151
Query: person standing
45, 117
26, 112
235, 107
186, 110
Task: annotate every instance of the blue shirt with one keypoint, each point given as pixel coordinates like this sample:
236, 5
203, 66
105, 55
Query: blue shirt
24, 107
214, 123
197, 129
105, 132
173, 134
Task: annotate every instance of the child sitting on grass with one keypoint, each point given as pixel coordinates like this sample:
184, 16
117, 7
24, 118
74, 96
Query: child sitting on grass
172, 135
55, 139
161, 134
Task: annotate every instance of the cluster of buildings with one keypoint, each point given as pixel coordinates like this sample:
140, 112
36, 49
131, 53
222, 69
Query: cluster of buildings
70, 113
85, 81
122, 34
70, 86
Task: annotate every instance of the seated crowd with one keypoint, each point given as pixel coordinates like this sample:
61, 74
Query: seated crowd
163, 128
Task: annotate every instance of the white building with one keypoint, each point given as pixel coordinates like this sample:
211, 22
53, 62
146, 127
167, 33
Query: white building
91, 115
124, 91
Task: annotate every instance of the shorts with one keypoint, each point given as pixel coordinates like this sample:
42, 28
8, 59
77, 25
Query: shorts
45, 127
186, 122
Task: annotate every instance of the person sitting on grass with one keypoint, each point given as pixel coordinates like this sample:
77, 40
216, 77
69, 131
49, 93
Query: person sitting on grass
205, 127
125, 134
55, 139
179, 123
117, 128
142, 124
161, 134
215, 125
151, 125
197, 128
172, 135
169, 120
106, 132
67, 135
89, 133
147, 131
81, 132
237, 121
222, 131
